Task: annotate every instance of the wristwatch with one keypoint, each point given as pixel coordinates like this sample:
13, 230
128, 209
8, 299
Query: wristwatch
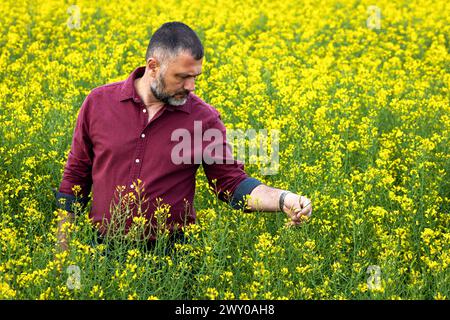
281, 202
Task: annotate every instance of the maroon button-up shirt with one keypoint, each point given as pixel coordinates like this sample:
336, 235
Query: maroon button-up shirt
114, 145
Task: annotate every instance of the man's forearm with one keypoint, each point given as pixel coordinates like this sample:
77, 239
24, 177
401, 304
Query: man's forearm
264, 198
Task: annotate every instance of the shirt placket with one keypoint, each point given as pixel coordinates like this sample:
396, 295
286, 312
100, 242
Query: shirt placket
142, 143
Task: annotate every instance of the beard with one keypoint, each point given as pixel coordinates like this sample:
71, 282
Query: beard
158, 88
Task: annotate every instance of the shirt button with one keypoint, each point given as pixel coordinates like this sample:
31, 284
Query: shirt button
143, 135
144, 110
132, 186
137, 160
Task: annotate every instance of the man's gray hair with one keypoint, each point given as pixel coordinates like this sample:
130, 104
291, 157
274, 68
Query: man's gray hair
172, 39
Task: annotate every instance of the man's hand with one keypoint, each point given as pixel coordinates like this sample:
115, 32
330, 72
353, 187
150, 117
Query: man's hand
298, 208
65, 218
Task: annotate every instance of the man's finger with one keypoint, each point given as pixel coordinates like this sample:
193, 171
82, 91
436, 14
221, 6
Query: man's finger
305, 212
305, 204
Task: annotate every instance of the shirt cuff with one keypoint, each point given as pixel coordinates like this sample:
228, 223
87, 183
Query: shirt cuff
66, 201
244, 188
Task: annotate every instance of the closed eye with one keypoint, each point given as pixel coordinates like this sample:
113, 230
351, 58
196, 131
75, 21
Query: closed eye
187, 76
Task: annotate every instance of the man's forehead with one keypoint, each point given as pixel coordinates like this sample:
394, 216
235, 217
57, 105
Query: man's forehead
185, 63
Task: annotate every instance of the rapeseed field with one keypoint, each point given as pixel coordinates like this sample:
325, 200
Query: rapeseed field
359, 94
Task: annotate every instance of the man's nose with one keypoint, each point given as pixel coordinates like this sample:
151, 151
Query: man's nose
189, 84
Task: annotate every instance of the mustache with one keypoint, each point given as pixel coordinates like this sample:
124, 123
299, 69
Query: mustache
183, 92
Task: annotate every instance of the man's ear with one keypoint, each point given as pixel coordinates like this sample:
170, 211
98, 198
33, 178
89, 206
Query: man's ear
152, 65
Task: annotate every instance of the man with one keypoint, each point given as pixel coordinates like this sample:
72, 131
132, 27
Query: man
124, 134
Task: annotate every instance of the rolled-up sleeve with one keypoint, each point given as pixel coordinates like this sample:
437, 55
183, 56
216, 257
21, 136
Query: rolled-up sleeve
226, 175
78, 168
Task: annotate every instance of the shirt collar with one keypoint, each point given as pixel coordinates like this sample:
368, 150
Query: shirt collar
128, 91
